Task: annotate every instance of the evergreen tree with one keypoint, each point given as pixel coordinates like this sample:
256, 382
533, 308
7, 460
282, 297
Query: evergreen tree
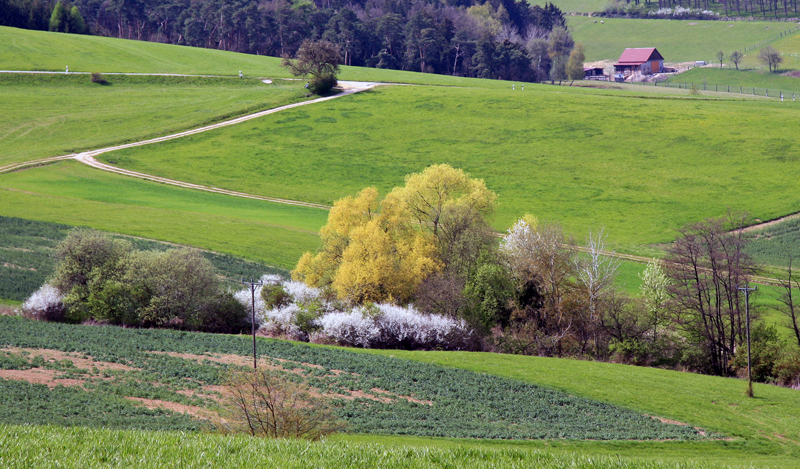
59, 18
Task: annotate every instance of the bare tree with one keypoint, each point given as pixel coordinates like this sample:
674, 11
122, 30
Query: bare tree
770, 57
789, 307
706, 265
720, 57
736, 57
597, 274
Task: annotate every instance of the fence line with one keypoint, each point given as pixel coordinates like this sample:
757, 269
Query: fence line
792, 96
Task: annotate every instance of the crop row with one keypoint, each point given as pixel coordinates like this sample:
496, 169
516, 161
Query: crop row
444, 402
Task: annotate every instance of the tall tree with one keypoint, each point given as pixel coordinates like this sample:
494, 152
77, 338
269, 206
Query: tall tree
706, 266
575, 63
770, 57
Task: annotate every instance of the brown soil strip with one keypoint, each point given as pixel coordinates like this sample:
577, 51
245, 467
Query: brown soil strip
39, 376
192, 410
77, 360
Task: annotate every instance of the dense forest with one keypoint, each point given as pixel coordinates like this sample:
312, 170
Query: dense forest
498, 39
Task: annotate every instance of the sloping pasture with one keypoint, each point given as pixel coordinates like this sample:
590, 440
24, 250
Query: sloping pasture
587, 159
677, 40
52, 115
73, 194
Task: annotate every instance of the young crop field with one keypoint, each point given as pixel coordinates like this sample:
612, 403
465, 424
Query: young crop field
677, 40
376, 394
27, 247
775, 244
572, 156
158, 379
51, 115
73, 194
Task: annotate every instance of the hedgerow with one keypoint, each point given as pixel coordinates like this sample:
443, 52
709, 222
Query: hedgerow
425, 400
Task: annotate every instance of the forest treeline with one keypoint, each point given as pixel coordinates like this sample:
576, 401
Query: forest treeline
504, 39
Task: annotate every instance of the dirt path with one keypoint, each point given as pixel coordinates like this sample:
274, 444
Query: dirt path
88, 157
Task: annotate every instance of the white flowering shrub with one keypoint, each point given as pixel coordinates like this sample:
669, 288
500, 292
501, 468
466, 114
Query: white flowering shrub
311, 314
45, 304
350, 328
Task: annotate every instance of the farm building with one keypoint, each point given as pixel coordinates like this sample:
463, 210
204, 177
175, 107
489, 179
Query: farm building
639, 60
594, 73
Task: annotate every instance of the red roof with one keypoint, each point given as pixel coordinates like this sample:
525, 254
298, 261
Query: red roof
639, 56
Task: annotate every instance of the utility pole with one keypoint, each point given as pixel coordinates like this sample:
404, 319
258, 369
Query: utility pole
747, 290
253, 284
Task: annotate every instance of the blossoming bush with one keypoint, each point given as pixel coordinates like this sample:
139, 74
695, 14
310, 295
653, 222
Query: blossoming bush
312, 314
45, 304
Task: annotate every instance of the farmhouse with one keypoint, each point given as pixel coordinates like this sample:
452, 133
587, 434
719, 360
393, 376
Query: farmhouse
639, 60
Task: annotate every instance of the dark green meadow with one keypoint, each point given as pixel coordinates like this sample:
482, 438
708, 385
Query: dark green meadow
640, 166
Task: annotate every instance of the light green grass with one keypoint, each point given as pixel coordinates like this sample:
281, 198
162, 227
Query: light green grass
576, 6
746, 79
677, 41
50, 115
766, 429
641, 168
34, 447
74, 194
789, 46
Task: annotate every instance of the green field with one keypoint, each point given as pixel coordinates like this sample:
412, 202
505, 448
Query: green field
576, 6
744, 80
36, 447
761, 432
74, 194
51, 115
678, 41
563, 154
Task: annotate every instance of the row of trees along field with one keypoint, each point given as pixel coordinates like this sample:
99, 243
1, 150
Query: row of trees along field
535, 293
763, 8
505, 39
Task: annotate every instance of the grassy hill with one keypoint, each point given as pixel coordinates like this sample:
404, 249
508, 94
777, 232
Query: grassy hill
641, 168
50, 115
678, 41
73, 194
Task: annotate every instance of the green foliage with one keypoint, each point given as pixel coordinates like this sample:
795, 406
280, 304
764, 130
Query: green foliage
488, 407
322, 85
59, 20
275, 296
766, 351
26, 257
